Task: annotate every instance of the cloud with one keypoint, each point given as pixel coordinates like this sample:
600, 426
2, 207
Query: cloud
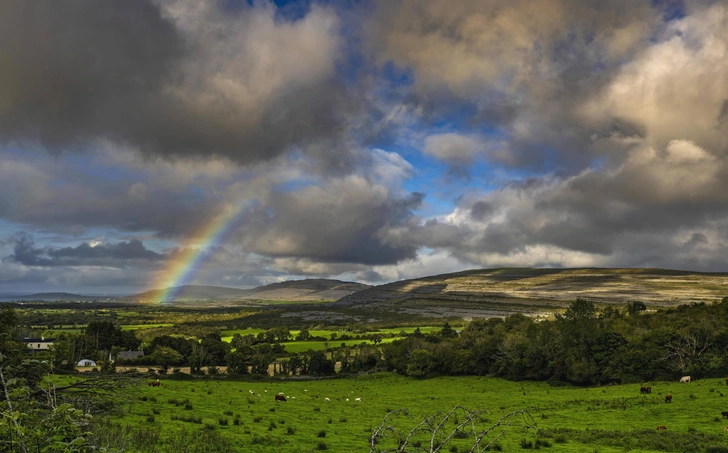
120, 254
174, 78
344, 220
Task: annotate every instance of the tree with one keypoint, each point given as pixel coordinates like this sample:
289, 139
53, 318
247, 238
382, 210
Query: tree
239, 360
303, 335
635, 307
166, 357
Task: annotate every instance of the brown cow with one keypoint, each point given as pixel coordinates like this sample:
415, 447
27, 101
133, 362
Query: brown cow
668, 398
645, 389
662, 428
724, 414
154, 384
280, 398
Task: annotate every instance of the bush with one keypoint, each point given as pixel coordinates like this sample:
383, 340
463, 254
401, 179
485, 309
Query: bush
321, 433
716, 449
222, 421
290, 430
526, 444
322, 446
150, 419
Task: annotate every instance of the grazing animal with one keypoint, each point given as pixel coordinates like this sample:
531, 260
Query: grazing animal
662, 428
726, 428
685, 379
668, 398
281, 393
154, 384
327, 399
726, 381
645, 389
358, 400
280, 398
724, 414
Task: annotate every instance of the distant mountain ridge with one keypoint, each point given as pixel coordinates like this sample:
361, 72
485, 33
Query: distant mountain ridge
524, 287
55, 296
294, 290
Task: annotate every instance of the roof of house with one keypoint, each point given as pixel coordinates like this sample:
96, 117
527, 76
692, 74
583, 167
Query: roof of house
38, 340
126, 355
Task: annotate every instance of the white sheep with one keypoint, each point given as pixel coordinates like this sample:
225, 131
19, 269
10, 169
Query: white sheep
327, 399
358, 400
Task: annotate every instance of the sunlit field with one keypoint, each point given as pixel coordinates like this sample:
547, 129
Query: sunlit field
566, 419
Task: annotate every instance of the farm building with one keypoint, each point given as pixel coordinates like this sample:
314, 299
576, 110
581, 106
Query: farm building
129, 355
86, 362
38, 344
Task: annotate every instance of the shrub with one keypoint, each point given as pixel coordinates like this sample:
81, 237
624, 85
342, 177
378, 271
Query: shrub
716, 449
542, 443
272, 425
290, 430
150, 419
321, 433
236, 421
526, 444
322, 446
257, 419
222, 421
155, 411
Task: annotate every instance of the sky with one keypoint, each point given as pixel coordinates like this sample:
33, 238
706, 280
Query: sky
154, 143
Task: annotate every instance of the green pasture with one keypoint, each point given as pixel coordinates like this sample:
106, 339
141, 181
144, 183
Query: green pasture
568, 419
303, 346
145, 326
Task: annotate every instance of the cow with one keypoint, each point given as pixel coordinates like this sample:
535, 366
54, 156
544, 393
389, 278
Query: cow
726, 429
726, 381
724, 414
154, 384
662, 428
646, 389
668, 398
685, 379
280, 398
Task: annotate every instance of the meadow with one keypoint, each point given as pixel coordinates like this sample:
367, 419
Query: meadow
298, 346
567, 419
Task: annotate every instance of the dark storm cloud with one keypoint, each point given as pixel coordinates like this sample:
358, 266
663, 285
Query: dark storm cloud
120, 254
345, 221
169, 78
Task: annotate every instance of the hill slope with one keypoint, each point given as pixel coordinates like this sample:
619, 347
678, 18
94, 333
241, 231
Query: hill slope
293, 291
491, 292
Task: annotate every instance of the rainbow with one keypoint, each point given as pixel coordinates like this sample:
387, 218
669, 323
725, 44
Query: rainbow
180, 270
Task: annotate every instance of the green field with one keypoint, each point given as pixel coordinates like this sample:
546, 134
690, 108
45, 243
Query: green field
302, 346
568, 419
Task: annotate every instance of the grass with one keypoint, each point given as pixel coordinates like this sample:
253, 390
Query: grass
570, 419
302, 346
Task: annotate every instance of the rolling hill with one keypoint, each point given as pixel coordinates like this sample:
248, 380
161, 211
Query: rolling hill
290, 291
494, 292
